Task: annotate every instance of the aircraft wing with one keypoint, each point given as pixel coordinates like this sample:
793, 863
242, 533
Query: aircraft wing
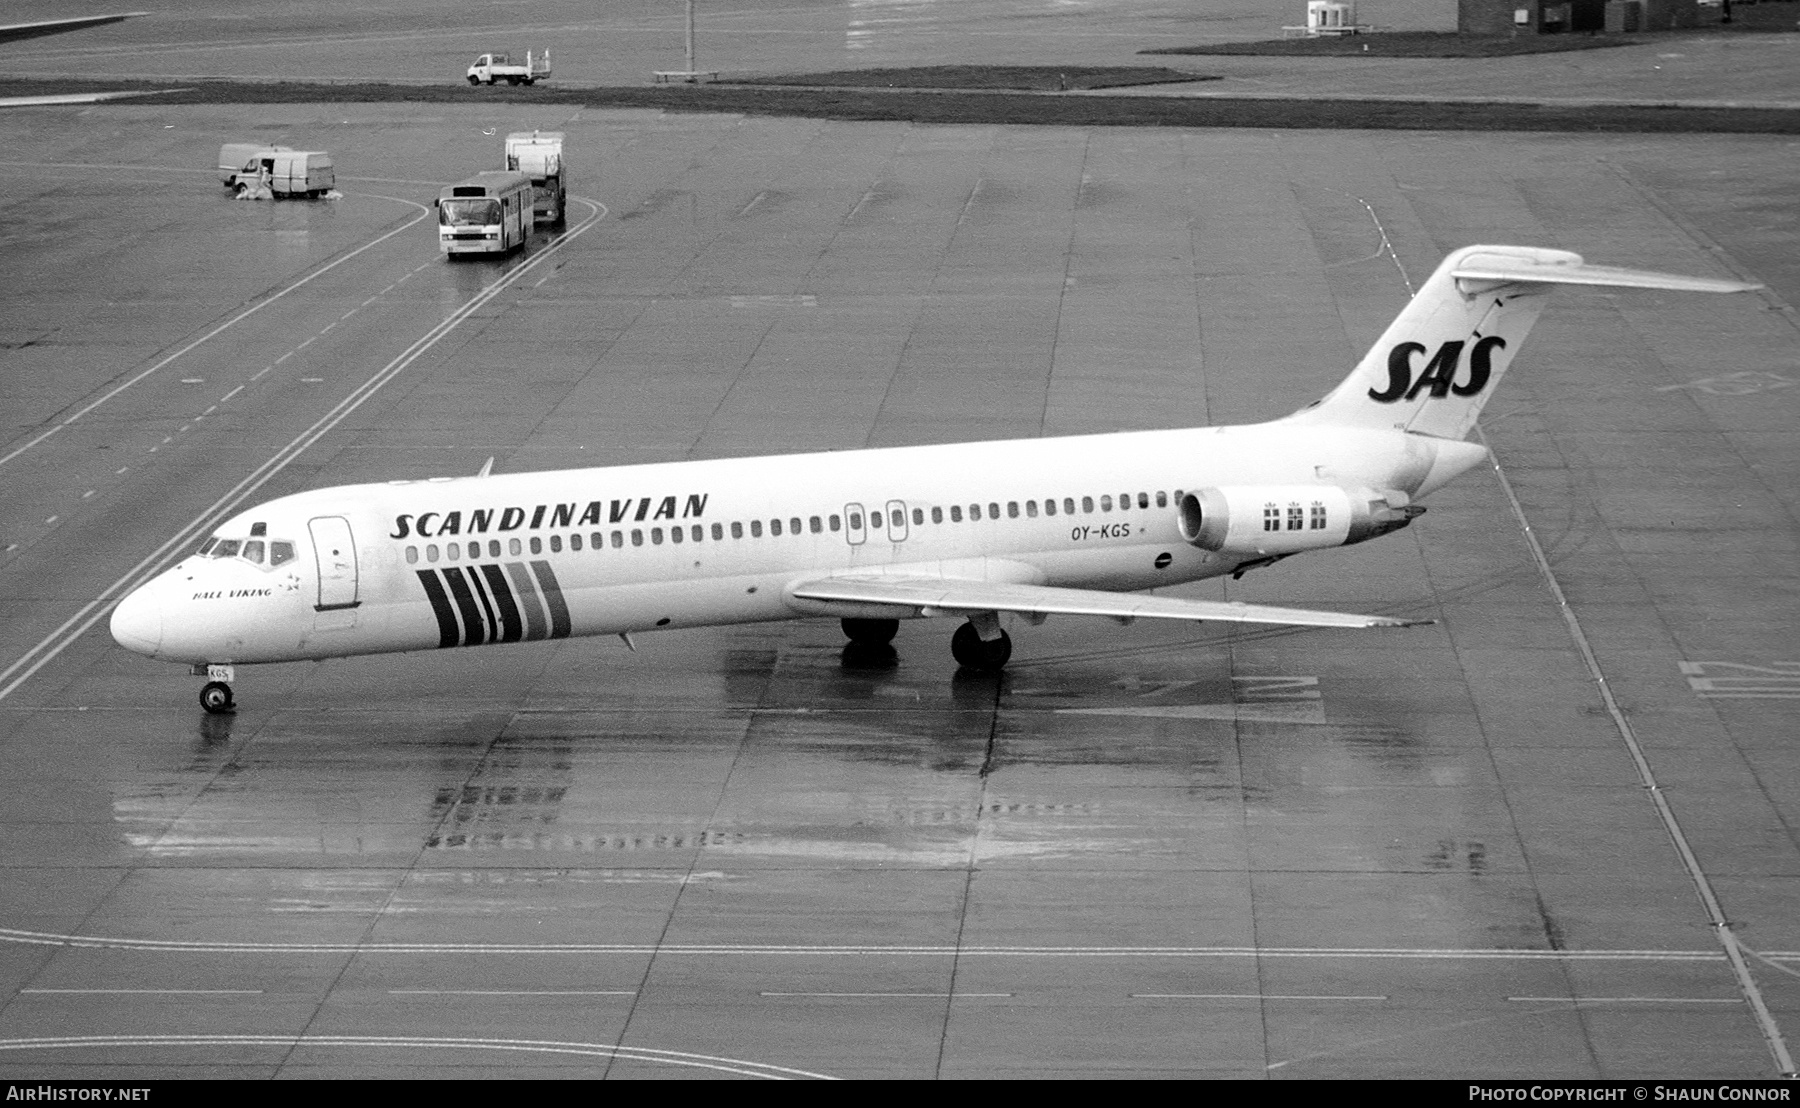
950, 595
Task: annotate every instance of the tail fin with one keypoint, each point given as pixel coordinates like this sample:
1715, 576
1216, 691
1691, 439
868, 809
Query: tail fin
1439, 361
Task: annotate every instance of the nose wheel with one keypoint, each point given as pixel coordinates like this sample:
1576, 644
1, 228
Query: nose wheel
215, 697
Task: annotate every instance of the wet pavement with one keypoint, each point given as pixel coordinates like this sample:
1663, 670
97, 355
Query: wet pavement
1497, 846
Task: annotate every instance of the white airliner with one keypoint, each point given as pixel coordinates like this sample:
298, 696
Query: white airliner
1034, 527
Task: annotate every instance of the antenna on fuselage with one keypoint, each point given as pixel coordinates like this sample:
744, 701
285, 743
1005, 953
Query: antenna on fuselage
487, 468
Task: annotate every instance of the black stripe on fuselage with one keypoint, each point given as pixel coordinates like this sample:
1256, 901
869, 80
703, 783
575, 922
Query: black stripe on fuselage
473, 631
535, 626
559, 611
487, 603
512, 627
448, 633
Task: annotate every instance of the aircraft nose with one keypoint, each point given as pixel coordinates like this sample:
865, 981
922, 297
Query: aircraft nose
137, 622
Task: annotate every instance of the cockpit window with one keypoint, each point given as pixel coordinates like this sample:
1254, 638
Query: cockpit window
279, 551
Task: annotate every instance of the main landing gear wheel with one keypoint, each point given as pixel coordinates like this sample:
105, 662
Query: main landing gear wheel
870, 632
215, 697
967, 647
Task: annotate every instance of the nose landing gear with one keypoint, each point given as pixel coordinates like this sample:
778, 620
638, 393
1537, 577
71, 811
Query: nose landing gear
215, 695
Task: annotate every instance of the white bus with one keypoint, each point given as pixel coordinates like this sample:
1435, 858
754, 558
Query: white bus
490, 213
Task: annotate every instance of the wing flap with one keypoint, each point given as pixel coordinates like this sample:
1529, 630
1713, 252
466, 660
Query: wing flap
947, 596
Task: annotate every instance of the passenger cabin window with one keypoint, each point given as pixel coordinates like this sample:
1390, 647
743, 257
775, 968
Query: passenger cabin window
1162, 499
1087, 503
937, 515
1271, 518
775, 527
1031, 509
1316, 519
756, 528
1049, 506
956, 513
1106, 503
975, 511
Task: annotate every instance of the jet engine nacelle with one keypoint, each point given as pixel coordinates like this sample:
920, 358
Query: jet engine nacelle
1273, 520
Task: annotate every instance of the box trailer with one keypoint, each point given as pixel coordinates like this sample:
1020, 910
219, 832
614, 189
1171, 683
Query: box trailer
539, 156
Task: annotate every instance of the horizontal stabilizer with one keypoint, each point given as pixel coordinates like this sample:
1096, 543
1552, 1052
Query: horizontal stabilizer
951, 596
1512, 267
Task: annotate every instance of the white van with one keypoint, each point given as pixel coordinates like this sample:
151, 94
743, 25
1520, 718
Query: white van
238, 159
284, 172
305, 173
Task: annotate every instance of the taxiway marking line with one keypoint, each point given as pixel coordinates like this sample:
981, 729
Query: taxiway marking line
900, 996
143, 992
47, 648
512, 992
1251, 996
1709, 900
1627, 999
233, 321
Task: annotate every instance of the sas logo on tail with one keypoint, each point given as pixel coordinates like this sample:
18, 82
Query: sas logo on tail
1439, 374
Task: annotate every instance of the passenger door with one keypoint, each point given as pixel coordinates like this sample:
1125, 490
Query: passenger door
335, 551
